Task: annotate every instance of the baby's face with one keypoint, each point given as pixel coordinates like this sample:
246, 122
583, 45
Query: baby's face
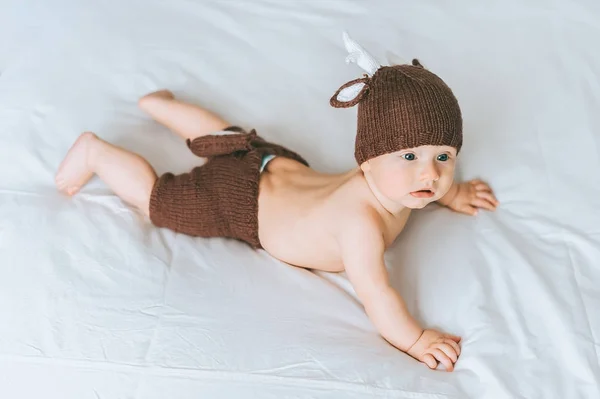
414, 177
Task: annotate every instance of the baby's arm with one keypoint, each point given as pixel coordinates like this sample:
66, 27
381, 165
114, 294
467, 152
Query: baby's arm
363, 250
362, 254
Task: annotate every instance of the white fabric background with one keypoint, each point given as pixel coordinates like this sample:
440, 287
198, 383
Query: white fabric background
96, 303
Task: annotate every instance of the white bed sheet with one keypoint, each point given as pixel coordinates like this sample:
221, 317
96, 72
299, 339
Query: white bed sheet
96, 303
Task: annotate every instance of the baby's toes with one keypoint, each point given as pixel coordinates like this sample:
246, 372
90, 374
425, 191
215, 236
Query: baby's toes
60, 182
71, 190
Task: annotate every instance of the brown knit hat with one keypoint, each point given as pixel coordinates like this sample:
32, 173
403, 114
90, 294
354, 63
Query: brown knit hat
401, 106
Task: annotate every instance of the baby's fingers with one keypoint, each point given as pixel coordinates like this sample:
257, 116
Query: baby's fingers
453, 344
480, 185
447, 349
453, 337
481, 203
430, 361
487, 196
468, 209
441, 357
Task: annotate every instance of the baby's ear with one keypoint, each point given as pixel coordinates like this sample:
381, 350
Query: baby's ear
350, 93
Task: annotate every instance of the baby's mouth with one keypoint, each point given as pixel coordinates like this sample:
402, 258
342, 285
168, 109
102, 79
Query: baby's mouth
422, 194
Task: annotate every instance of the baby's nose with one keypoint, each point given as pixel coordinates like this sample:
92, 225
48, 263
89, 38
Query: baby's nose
430, 172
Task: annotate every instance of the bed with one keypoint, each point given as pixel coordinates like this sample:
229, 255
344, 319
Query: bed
96, 303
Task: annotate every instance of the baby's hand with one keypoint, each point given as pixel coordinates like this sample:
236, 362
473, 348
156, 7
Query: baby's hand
434, 346
471, 195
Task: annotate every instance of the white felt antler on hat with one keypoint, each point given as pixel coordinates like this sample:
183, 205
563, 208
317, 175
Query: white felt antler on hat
358, 55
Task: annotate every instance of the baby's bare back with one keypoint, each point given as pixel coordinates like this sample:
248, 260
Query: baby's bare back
301, 213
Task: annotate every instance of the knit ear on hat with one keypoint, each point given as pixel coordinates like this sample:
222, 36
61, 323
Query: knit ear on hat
417, 63
395, 59
350, 93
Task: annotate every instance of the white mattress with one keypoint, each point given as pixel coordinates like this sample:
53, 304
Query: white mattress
96, 303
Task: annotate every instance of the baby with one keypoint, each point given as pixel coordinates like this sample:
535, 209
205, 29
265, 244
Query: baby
408, 137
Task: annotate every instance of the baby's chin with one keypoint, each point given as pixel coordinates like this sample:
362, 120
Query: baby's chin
418, 203
416, 206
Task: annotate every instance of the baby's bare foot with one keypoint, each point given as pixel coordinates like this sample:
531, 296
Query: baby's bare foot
162, 94
156, 95
74, 171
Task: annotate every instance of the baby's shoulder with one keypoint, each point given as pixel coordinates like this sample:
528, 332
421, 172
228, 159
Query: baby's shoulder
360, 217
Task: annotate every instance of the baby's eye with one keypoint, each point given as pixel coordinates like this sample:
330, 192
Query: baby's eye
409, 156
442, 157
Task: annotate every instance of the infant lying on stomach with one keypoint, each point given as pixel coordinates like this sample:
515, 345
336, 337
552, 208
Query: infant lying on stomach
409, 133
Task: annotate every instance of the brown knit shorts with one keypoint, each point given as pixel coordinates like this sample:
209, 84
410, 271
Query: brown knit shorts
219, 198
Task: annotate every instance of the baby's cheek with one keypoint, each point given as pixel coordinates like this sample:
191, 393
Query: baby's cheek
395, 191
445, 187
394, 180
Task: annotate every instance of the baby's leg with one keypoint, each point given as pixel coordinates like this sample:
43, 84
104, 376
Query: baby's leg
126, 173
187, 120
